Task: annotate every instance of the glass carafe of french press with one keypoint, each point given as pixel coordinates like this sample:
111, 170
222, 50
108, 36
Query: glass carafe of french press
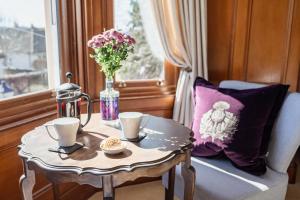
68, 98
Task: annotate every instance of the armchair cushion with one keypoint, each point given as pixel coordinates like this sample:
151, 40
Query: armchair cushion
285, 137
241, 133
240, 85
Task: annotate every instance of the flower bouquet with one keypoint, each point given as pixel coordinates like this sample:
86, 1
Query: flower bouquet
110, 49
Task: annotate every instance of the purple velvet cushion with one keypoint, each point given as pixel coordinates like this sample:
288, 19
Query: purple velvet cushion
282, 91
234, 122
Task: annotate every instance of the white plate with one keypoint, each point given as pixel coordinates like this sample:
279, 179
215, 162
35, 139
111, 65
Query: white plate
115, 150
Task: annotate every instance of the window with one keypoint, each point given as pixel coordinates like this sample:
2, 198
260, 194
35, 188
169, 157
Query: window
145, 62
28, 46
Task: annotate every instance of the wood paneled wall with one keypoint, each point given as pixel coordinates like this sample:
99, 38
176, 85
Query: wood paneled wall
254, 40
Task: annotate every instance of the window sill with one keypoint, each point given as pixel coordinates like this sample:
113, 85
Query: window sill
153, 100
146, 91
24, 109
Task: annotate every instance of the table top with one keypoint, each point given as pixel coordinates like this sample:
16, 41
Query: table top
165, 139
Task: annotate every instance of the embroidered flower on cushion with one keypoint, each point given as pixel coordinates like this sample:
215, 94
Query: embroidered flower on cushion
218, 125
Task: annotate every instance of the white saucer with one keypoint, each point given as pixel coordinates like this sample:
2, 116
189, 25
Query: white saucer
115, 150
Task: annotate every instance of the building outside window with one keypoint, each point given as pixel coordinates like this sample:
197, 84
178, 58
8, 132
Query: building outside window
23, 47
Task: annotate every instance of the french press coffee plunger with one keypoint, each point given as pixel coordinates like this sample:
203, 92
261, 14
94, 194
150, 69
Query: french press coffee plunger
68, 98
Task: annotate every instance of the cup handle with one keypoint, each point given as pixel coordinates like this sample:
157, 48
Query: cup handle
145, 124
89, 107
46, 126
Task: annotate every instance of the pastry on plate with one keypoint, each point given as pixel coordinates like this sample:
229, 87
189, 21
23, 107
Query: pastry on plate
112, 145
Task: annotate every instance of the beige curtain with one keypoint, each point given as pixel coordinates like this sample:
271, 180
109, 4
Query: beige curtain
183, 33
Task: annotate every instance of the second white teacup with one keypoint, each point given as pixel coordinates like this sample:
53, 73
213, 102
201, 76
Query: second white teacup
66, 129
131, 124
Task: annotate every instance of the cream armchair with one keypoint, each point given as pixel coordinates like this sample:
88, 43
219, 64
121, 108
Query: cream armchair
218, 180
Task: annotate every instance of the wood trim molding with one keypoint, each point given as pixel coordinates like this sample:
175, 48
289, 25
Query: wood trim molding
27, 120
293, 69
232, 40
239, 41
159, 105
88, 67
171, 73
290, 20
145, 91
68, 41
81, 50
248, 36
26, 108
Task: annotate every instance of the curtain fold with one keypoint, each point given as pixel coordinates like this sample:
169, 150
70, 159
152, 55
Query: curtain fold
182, 31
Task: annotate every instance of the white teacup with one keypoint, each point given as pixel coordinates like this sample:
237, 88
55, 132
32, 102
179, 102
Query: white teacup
130, 123
66, 129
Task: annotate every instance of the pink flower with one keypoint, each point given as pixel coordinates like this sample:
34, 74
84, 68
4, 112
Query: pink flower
101, 40
117, 36
129, 40
97, 45
90, 43
114, 34
107, 33
120, 39
108, 36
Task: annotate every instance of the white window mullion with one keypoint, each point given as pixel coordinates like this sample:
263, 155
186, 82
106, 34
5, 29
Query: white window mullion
51, 31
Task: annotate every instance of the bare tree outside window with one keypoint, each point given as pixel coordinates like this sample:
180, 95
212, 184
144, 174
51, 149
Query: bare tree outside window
142, 64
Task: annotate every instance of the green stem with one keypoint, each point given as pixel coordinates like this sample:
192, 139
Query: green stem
109, 77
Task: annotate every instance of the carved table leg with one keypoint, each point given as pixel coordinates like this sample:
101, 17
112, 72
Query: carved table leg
55, 190
169, 193
27, 181
108, 189
292, 172
188, 174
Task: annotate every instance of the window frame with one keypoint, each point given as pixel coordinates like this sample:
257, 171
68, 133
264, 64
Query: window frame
52, 48
171, 74
93, 17
25, 108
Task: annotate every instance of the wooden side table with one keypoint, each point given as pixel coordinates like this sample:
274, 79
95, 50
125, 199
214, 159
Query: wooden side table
167, 144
